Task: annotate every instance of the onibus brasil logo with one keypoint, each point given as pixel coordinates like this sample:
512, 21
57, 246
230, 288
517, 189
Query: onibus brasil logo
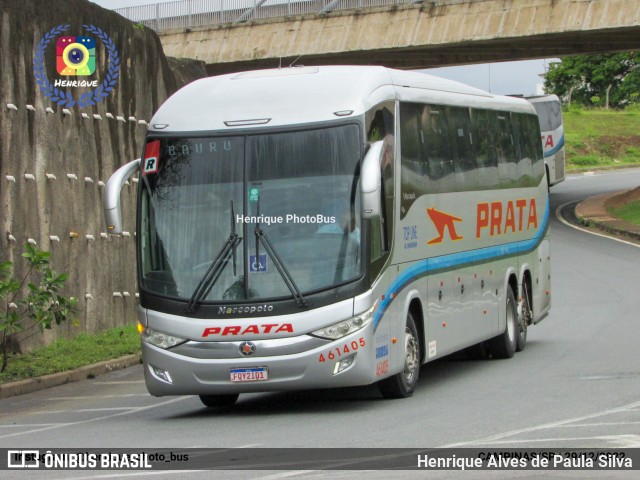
76, 58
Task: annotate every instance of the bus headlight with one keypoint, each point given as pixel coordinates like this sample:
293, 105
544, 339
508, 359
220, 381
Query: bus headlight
161, 340
345, 327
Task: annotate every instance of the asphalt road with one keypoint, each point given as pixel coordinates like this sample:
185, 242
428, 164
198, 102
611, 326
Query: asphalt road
577, 384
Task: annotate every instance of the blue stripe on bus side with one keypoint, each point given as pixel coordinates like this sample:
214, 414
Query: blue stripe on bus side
424, 267
558, 146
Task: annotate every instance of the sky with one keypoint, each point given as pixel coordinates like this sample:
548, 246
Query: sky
506, 78
520, 78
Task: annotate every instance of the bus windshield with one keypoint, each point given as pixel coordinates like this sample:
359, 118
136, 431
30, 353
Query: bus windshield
214, 199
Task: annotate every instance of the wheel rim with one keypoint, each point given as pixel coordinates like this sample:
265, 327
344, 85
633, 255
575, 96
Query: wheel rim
411, 359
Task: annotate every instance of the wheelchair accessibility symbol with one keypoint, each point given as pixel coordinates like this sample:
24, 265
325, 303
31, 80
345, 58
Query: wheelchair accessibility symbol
258, 266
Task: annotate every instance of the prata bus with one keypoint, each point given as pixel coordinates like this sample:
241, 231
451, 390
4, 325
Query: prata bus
549, 112
317, 227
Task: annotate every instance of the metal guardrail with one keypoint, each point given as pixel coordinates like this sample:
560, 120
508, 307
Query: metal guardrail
196, 13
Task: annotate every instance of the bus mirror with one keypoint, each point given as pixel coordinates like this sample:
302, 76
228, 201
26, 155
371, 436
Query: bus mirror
111, 196
370, 181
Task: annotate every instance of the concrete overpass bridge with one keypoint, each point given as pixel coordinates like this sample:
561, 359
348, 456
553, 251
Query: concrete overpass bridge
234, 35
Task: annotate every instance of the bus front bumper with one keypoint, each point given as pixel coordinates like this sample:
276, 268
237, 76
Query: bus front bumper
170, 373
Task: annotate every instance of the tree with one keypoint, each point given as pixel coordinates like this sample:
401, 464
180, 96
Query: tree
609, 80
41, 301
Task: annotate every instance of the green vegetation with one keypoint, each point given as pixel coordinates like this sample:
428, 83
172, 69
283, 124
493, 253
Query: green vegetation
629, 212
607, 80
601, 94
33, 297
65, 354
601, 138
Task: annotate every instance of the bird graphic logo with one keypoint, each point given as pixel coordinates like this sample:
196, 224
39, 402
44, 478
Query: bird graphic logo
443, 221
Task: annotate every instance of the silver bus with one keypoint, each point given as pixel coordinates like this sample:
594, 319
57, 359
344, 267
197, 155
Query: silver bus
317, 227
549, 112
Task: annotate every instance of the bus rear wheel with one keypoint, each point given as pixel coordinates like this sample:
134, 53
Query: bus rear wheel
504, 345
524, 320
403, 384
219, 401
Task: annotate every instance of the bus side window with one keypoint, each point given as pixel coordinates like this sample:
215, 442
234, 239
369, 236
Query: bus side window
524, 152
438, 150
507, 155
462, 148
414, 169
485, 138
533, 135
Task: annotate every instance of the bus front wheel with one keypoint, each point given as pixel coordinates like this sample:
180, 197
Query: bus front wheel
403, 384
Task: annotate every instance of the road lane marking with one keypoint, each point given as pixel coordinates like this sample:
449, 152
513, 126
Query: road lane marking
28, 425
286, 474
562, 220
559, 423
600, 424
75, 410
93, 397
97, 419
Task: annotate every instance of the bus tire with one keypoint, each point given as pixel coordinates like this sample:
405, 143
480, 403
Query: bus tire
219, 401
403, 384
504, 345
524, 320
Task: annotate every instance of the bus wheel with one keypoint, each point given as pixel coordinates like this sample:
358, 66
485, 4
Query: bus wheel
403, 384
219, 401
504, 345
524, 320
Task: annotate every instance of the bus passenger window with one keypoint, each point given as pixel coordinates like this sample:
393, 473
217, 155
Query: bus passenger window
414, 169
507, 161
438, 150
485, 137
536, 147
462, 148
525, 152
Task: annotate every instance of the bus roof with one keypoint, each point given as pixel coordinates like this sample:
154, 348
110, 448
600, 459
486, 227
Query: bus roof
298, 95
542, 98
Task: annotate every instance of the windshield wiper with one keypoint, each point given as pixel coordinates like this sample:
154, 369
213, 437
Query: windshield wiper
217, 266
261, 237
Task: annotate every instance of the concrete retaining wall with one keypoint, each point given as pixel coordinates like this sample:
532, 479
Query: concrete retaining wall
52, 163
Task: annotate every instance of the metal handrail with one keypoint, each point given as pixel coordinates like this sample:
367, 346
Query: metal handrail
197, 13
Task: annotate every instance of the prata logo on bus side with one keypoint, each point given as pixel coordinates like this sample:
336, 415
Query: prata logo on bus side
76, 58
492, 219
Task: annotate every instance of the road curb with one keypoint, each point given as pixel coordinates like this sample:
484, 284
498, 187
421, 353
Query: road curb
592, 212
608, 168
21, 387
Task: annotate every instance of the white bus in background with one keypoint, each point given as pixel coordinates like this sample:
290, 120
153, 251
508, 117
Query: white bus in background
317, 227
549, 112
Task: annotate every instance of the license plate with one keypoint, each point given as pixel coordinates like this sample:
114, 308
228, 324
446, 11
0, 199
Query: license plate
251, 374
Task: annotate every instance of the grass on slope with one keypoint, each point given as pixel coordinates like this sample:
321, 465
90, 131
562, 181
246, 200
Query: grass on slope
602, 138
66, 354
